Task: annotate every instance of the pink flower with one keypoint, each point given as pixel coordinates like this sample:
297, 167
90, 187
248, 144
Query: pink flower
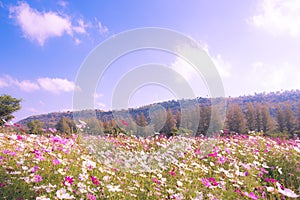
2, 184
68, 181
251, 195
222, 160
270, 180
172, 172
215, 154
198, 151
37, 178
52, 130
55, 162
34, 169
95, 180
206, 182
155, 180
90, 196
19, 137
17, 125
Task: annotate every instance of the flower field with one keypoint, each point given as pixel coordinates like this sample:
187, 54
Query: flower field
103, 167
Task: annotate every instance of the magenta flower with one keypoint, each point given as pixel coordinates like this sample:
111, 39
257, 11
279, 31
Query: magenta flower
222, 160
37, 178
172, 172
251, 195
90, 196
55, 162
68, 181
215, 154
95, 180
155, 180
206, 182
34, 169
270, 180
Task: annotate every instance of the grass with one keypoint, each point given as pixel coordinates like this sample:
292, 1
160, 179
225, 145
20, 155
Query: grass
103, 167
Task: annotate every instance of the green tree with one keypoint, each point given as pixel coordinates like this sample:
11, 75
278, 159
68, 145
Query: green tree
298, 120
235, 119
8, 105
66, 125
258, 125
158, 119
250, 117
35, 127
289, 119
205, 115
178, 118
266, 119
216, 122
93, 126
141, 120
170, 126
280, 119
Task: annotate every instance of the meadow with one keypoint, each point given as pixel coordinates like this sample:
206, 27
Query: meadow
127, 167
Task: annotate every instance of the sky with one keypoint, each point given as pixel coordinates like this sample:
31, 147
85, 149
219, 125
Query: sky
254, 45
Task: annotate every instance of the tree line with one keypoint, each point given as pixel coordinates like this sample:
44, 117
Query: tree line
198, 119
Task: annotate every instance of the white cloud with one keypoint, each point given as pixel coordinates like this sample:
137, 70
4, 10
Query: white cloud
39, 26
27, 86
3, 83
102, 29
81, 27
24, 85
278, 17
77, 41
56, 85
266, 77
63, 3
53, 85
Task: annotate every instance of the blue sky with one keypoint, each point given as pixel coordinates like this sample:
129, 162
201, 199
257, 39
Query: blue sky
255, 46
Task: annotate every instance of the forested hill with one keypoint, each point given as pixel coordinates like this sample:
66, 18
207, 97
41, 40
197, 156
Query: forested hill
272, 100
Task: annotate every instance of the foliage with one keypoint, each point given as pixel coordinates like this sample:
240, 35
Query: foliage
8, 105
66, 125
35, 127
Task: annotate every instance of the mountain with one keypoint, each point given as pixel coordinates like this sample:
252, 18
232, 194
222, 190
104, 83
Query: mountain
272, 99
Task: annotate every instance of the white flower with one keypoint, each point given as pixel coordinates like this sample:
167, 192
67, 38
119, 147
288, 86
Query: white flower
42, 198
178, 196
88, 164
199, 196
61, 171
62, 194
179, 184
286, 192
270, 189
106, 178
112, 188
